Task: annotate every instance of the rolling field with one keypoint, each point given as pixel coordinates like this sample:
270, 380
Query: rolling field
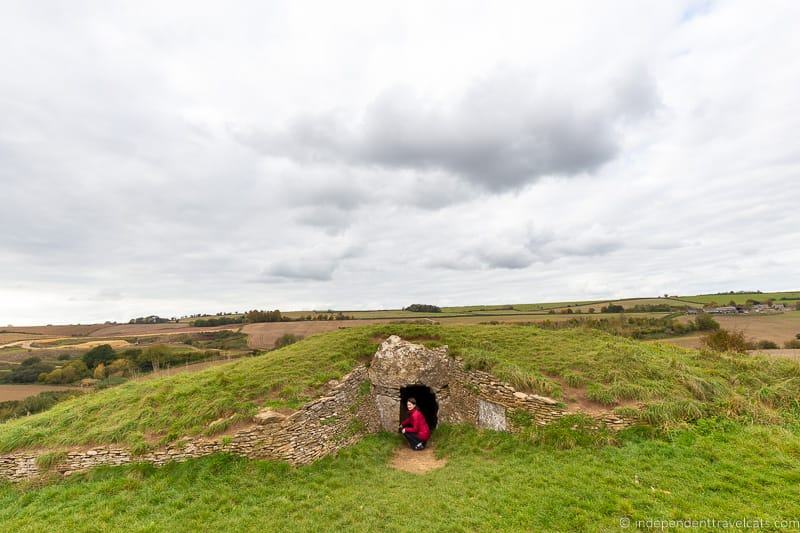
778, 328
740, 298
8, 338
57, 331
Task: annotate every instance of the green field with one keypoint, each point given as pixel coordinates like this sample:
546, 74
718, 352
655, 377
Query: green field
545, 307
492, 482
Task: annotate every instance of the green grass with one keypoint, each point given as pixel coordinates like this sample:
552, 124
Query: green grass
163, 409
492, 482
676, 384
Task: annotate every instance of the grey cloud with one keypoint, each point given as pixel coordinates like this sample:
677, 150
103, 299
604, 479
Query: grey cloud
587, 248
331, 219
308, 270
506, 131
306, 267
541, 246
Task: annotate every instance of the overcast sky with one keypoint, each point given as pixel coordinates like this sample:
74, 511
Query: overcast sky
181, 157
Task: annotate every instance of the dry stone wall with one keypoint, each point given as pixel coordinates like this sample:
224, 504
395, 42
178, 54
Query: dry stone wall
364, 401
319, 428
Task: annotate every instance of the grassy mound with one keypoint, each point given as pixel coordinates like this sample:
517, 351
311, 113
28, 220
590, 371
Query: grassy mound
492, 482
675, 384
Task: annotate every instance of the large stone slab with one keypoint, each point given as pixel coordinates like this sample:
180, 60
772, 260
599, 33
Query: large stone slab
491, 415
399, 363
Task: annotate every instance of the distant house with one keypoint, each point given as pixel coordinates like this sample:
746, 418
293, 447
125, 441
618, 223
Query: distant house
723, 310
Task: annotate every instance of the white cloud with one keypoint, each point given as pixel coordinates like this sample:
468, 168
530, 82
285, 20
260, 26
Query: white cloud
452, 153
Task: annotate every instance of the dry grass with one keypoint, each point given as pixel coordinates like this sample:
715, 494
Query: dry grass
8, 338
778, 328
149, 330
56, 331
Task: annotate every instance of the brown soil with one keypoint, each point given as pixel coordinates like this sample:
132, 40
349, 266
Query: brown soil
576, 400
20, 392
420, 462
59, 331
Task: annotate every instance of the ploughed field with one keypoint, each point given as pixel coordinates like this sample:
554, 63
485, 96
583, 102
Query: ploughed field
20, 392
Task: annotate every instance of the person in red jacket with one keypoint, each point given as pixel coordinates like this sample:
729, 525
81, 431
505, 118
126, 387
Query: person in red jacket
415, 428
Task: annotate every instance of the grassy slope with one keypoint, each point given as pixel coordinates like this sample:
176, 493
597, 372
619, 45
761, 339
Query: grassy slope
492, 482
677, 384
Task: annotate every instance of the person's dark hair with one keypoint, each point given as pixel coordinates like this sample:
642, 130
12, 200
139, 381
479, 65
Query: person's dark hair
412, 400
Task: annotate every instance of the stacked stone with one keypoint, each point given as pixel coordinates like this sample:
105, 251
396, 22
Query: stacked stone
18, 467
319, 428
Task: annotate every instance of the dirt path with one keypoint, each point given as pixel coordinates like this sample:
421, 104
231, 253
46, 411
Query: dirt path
420, 462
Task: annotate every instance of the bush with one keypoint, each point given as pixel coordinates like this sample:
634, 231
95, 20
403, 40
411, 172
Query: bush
69, 373
28, 373
118, 368
723, 340
612, 308
705, 322
766, 345
792, 344
99, 354
286, 339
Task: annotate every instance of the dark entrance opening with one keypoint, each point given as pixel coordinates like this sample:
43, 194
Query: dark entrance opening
426, 403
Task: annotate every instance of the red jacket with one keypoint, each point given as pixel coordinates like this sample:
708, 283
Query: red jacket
416, 423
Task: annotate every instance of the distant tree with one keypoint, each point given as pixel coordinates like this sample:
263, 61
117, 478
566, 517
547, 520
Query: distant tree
99, 354
155, 356
612, 308
28, 373
591, 310
30, 361
423, 308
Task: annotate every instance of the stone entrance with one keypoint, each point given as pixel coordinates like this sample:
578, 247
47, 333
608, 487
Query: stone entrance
426, 403
400, 370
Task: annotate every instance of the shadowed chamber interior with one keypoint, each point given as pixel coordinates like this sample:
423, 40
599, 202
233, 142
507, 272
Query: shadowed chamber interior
426, 403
